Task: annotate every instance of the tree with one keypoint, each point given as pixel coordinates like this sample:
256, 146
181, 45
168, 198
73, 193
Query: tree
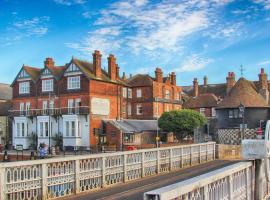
181, 122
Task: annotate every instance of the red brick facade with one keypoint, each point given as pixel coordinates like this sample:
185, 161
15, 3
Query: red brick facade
160, 92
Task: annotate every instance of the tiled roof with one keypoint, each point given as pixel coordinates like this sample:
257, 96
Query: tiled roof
57, 71
244, 92
138, 126
33, 72
140, 80
5, 92
217, 89
87, 69
202, 101
4, 108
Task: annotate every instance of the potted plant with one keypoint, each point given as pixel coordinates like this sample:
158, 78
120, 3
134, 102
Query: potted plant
33, 141
58, 139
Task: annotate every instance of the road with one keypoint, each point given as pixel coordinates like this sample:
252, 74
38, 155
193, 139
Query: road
134, 190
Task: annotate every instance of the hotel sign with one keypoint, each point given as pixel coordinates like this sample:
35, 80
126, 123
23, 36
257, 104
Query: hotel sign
100, 106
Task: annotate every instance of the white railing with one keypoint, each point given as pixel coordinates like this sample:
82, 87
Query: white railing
235, 182
58, 177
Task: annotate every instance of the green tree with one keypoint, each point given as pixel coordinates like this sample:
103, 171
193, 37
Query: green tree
181, 122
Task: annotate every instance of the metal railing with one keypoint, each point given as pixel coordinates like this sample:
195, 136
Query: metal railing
235, 182
59, 177
80, 110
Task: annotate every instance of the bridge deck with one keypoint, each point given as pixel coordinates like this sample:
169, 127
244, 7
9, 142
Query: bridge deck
134, 190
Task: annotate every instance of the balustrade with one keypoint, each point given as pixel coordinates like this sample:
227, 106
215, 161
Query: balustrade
59, 177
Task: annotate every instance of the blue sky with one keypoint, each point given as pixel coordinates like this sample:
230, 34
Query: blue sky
192, 37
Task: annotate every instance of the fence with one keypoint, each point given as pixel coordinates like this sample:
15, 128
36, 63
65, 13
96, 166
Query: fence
59, 177
235, 182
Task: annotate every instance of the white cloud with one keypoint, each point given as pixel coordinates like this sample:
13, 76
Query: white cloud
149, 28
193, 63
264, 3
267, 62
35, 26
86, 15
70, 2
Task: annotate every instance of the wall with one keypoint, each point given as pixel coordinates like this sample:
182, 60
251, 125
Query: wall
252, 118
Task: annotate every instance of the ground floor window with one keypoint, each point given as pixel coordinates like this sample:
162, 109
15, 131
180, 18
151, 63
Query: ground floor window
71, 129
21, 129
44, 129
129, 137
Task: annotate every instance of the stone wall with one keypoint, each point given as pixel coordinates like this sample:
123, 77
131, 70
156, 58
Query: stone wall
225, 151
233, 136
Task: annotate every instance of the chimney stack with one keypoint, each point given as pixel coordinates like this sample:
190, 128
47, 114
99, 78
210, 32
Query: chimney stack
117, 71
195, 87
124, 76
263, 85
205, 80
173, 78
159, 77
230, 81
112, 67
97, 63
49, 62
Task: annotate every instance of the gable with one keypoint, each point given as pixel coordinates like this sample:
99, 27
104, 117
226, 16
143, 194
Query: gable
23, 74
46, 72
72, 68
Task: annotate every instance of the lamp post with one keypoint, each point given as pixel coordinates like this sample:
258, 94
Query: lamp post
157, 135
242, 112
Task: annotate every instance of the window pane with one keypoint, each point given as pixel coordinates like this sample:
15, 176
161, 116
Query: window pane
67, 129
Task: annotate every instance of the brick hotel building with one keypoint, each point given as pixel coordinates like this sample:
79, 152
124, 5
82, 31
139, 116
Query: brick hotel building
74, 99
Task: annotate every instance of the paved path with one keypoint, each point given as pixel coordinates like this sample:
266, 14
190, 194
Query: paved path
134, 190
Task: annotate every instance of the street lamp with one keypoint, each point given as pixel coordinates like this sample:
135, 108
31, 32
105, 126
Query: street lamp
242, 112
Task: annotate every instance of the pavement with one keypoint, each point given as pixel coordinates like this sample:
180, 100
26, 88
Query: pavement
134, 190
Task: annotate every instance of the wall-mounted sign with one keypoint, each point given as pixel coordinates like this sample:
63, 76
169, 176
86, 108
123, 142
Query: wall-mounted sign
100, 106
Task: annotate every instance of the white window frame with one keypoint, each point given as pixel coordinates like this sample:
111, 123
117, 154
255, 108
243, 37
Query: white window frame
74, 82
124, 91
214, 113
139, 93
129, 93
167, 94
139, 109
77, 105
129, 109
70, 105
24, 87
47, 85
202, 111
27, 107
21, 108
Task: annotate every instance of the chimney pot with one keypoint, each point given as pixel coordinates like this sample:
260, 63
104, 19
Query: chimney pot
49, 62
112, 69
230, 81
205, 80
124, 76
195, 87
159, 76
97, 63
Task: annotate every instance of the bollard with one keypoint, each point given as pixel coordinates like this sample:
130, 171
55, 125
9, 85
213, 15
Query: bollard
6, 158
32, 156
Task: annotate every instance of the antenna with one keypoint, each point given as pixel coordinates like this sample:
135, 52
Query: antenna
242, 70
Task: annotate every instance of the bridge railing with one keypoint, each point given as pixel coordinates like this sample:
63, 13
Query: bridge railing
59, 177
235, 182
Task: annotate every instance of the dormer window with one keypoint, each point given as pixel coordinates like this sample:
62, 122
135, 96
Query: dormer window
47, 85
74, 82
24, 88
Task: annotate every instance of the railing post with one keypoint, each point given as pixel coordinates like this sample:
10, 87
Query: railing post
181, 165
44, 187
206, 152
171, 159
205, 192
77, 176
200, 160
125, 167
230, 189
158, 161
248, 189
190, 155
143, 173
103, 169
214, 149
2, 184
